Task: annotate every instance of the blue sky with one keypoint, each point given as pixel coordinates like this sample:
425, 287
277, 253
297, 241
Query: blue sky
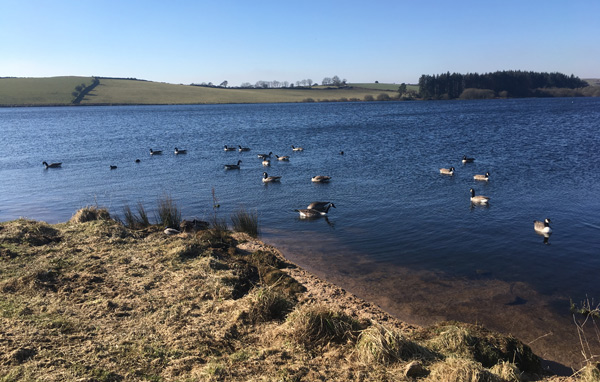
246, 41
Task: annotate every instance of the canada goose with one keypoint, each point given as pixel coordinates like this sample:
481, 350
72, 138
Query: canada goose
485, 177
171, 231
243, 148
321, 179
233, 166
177, 151
447, 171
137, 161
479, 199
265, 156
157, 152
228, 148
341, 153
467, 160
542, 227
312, 213
266, 162
52, 165
283, 158
297, 148
113, 167
320, 206
268, 179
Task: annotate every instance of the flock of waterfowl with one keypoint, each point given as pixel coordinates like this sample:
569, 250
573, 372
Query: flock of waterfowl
314, 209
540, 227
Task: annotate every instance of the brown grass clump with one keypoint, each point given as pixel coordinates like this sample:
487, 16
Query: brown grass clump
90, 213
507, 371
378, 344
459, 370
318, 325
481, 345
269, 304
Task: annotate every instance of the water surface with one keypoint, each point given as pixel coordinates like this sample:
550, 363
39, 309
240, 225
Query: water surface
401, 233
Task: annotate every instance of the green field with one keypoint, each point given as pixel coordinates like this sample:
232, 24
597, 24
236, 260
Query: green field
39, 91
57, 91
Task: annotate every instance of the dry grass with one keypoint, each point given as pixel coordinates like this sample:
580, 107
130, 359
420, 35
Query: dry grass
378, 344
90, 213
168, 214
96, 301
318, 325
244, 221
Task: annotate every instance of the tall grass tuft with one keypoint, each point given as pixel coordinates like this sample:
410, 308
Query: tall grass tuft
377, 344
244, 221
168, 214
315, 325
507, 371
133, 220
268, 305
458, 370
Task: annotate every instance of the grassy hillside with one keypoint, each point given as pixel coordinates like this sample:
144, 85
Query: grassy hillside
39, 91
141, 92
57, 91
93, 300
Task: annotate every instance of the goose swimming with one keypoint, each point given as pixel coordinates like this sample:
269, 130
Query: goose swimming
113, 167
447, 171
467, 160
321, 179
157, 152
312, 213
243, 148
266, 162
297, 148
282, 158
268, 179
265, 156
233, 166
177, 151
542, 227
52, 165
320, 206
479, 199
485, 177
228, 148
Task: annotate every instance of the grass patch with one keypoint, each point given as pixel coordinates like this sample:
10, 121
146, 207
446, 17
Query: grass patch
40, 91
244, 221
317, 325
380, 345
269, 304
135, 220
90, 213
168, 214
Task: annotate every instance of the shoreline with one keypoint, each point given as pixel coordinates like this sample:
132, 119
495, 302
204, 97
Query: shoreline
424, 298
139, 287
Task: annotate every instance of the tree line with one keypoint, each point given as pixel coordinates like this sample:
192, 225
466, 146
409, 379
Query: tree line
497, 84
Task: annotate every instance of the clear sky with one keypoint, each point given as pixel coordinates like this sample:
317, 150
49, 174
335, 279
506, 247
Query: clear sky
195, 41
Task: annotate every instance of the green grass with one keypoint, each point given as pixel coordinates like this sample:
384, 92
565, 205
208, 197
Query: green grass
39, 91
57, 91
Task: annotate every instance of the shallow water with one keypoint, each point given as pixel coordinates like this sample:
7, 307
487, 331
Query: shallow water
396, 215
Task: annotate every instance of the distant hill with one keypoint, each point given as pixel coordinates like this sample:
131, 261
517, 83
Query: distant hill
113, 91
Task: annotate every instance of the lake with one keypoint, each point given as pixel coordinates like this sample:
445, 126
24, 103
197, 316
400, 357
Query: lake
403, 235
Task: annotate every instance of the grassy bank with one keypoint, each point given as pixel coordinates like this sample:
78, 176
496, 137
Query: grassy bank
93, 300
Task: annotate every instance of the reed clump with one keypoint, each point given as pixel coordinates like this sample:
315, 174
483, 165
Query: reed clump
245, 221
136, 220
168, 215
